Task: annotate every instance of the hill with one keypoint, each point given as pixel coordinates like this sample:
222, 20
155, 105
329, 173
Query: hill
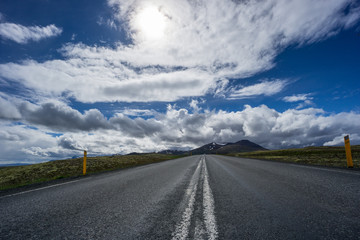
323, 156
207, 149
11, 177
228, 148
173, 152
240, 146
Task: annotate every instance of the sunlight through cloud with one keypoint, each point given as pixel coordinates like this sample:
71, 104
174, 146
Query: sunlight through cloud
150, 23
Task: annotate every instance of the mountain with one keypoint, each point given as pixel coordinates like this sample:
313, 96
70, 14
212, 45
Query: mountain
240, 146
173, 152
207, 149
216, 148
13, 164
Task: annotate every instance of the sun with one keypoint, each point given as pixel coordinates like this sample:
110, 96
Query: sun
150, 23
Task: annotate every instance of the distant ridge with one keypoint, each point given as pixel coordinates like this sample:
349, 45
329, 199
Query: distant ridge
240, 146
207, 149
173, 152
14, 164
217, 148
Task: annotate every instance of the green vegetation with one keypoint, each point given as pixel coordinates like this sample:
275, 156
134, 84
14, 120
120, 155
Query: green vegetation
11, 177
324, 156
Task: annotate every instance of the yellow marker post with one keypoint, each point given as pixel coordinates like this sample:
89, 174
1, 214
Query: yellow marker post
84, 164
348, 152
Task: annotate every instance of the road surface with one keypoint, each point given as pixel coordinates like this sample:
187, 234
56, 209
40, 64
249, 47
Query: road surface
197, 197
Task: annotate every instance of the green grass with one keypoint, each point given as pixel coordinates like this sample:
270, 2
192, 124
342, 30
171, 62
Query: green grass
324, 156
12, 177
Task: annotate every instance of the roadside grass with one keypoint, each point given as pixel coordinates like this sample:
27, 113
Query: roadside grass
12, 177
323, 156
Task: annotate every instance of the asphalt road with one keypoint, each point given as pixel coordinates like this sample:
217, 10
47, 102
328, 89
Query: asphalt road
197, 197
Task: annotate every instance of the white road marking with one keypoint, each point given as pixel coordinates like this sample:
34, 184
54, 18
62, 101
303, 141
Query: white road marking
208, 201
182, 228
38, 189
199, 230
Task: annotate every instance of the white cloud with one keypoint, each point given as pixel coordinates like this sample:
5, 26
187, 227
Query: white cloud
96, 79
110, 22
22, 34
8, 110
52, 114
194, 104
176, 128
73, 37
339, 140
297, 98
266, 88
305, 99
17, 140
67, 142
138, 112
112, 142
205, 44
243, 37
306, 103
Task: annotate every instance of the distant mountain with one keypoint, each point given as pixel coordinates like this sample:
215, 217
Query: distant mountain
173, 152
207, 149
135, 153
216, 148
13, 164
240, 146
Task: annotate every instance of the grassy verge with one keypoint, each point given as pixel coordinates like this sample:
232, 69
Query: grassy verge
324, 156
11, 177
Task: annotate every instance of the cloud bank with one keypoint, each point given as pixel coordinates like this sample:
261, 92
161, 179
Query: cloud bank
204, 46
205, 43
176, 129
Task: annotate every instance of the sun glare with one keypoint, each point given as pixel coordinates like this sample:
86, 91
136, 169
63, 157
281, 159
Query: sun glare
151, 23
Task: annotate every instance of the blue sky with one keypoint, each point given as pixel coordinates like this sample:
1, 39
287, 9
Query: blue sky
121, 76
